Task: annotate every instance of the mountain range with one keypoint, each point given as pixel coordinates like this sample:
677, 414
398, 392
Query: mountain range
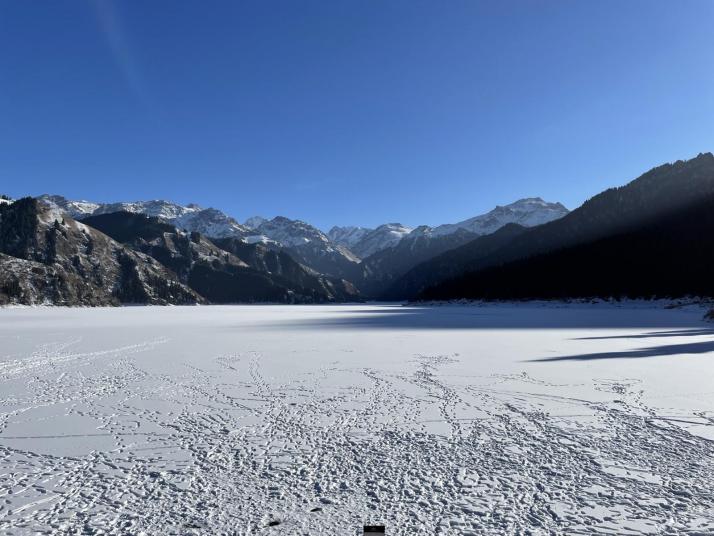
208, 221
371, 259
222, 270
661, 199
364, 242
668, 256
354, 243
162, 252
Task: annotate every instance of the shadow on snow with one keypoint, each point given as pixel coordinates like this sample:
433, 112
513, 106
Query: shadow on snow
519, 316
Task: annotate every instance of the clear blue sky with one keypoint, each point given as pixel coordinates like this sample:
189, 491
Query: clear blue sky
354, 112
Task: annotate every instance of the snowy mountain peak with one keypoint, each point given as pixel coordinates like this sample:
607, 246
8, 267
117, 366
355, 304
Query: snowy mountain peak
348, 236
75, 209
291, 232
350, 242
309, 245
422, 230
529, 212
533, 204
254, 222
385, 236
157, 207
208, 221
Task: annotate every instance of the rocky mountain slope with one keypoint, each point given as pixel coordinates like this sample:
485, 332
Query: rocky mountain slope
48, 257
309, 246
280, 264
214, 270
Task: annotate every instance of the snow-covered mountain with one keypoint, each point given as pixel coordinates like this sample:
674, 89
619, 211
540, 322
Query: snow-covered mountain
297, 234
338, 253
290, 232
254, 222
348, 236
353, 243
528, 212
383, 267
383, 237
75, 209
208, 221
308, 245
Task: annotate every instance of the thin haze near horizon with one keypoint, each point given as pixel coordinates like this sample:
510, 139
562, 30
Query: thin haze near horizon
347, 112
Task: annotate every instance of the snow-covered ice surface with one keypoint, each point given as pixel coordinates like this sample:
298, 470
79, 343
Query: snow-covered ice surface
317, 419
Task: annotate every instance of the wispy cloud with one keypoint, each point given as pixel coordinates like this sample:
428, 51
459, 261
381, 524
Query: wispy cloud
111, 25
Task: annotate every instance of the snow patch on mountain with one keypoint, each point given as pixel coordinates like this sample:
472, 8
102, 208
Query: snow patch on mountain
259, 239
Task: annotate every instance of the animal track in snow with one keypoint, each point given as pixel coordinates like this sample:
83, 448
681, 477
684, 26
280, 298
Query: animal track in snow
135, 438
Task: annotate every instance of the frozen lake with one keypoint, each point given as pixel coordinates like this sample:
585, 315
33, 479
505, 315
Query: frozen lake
577, 419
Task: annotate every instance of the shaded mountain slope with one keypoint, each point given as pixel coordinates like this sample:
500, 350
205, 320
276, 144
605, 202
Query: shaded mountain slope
617, 210
671, 256
382, 268
216, 272
451, 263
281, 265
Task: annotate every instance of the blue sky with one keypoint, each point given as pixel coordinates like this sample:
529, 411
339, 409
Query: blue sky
354, 112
